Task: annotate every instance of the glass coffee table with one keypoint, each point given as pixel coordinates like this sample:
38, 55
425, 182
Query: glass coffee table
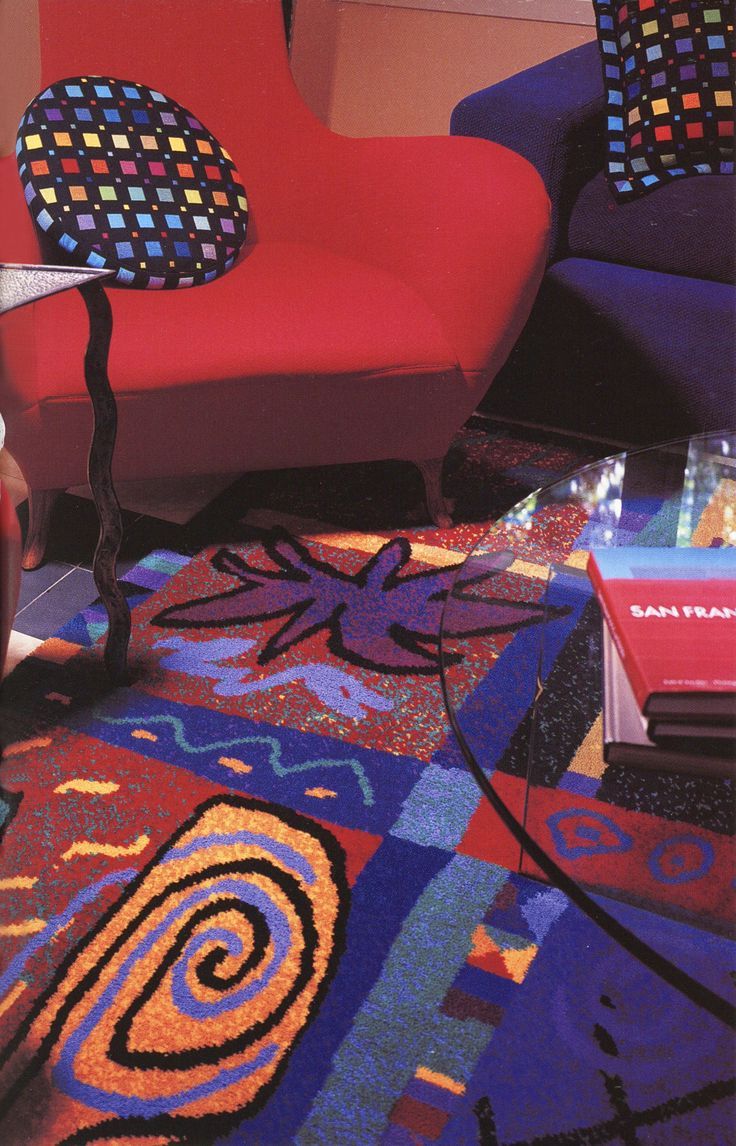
626, 845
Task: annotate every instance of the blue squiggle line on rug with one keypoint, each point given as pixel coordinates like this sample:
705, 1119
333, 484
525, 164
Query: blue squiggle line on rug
274, 756
64, 1072
281, 941
57, 922
332, 686
203, 659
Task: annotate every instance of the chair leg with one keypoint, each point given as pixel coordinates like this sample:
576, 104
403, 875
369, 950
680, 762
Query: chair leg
40, 505
440, 509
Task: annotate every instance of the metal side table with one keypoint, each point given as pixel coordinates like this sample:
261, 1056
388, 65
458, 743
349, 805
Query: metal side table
21, 284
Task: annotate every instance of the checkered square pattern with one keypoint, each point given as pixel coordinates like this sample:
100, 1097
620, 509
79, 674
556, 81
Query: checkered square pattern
668, 68
121, 177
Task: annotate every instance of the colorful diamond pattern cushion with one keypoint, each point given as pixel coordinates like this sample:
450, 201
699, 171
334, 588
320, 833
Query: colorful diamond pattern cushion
122, 177
668, 70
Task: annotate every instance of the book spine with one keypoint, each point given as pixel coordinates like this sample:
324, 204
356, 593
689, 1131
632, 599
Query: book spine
625, 652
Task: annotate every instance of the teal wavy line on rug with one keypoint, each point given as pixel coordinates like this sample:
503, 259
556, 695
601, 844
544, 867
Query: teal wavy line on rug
274, 758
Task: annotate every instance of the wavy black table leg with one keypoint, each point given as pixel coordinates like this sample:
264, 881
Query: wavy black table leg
100, 479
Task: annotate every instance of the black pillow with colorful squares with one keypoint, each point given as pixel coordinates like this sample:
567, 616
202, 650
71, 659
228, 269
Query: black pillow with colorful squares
668, 68
119, 176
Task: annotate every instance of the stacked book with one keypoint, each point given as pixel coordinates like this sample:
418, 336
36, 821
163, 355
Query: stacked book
669, 657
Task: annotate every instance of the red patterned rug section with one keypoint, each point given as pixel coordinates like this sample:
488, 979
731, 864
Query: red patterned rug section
654, 858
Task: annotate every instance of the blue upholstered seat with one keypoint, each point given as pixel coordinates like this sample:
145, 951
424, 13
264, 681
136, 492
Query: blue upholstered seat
633, 334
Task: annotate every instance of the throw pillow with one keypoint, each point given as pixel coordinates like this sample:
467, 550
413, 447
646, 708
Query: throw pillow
668, 68
120, 176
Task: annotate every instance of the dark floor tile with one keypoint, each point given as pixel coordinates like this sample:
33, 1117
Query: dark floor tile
44, 616
36, 581
74, 529
140, 537
147, 534
370, 496
87, 625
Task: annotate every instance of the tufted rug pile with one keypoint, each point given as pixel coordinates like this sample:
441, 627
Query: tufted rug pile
257, 897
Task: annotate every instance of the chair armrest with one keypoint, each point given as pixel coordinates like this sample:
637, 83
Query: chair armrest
553, 115
463, 222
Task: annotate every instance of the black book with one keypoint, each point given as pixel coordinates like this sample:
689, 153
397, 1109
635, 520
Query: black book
663, 731
626, 738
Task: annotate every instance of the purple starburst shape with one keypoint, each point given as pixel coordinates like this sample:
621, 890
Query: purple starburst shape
378, 618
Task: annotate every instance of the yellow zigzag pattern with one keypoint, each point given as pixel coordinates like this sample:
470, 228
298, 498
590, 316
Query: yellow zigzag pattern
112, 851
88, 787
26, 745
27, 927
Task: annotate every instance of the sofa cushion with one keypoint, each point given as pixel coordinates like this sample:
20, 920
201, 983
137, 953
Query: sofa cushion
687, 228
627, 355
669, 75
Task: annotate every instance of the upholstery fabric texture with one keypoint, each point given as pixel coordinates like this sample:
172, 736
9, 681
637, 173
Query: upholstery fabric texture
632, 337
558, 125
644, 356
669, 77
349, 327
671, 231
121, 177
295, 297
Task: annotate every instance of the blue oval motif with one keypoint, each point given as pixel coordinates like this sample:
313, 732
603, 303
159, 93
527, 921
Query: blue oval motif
671, 863
579, 832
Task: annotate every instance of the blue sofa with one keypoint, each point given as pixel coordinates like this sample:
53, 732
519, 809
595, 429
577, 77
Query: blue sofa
633, 335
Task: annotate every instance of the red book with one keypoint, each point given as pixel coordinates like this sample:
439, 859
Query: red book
672, 616
627, 741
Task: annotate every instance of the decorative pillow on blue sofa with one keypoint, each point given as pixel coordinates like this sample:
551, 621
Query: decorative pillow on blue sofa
120, 176
668, 71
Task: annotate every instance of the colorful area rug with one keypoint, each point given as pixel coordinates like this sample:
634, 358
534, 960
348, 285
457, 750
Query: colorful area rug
249, 900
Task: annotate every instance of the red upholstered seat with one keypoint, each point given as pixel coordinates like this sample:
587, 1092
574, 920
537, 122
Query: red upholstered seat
267, 349
383, 282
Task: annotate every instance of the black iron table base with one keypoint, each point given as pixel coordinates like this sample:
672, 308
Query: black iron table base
21, 284
99, 471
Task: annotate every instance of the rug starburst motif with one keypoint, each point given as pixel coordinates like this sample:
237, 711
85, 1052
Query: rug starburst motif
379, 618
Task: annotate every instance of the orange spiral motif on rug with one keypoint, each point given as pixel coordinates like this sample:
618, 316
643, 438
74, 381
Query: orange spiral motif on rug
181, 1008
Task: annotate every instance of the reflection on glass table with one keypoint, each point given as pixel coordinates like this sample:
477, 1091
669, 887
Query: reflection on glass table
525, 703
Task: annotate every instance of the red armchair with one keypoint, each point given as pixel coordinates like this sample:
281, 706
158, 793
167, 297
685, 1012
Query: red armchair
382, 284
10, 546
9, 569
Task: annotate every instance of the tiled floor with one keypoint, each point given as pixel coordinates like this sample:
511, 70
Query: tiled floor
153, 516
